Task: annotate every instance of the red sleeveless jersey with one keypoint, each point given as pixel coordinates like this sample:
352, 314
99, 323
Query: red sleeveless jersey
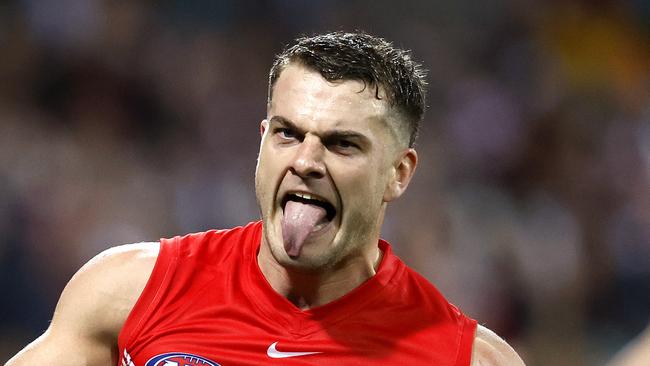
207, 303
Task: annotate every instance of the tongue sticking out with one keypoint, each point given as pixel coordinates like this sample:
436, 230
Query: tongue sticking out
298, 222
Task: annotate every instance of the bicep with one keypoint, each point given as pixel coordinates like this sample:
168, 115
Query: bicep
64, 348
70, 339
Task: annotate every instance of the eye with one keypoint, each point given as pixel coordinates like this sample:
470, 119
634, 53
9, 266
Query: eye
285, 133
343, 146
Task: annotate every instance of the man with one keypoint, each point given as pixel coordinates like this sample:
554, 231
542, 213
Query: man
311, 283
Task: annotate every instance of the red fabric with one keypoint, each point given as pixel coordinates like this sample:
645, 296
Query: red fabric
207, 297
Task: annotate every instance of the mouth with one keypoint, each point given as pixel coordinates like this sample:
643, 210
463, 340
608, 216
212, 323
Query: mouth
305, 216
311, 199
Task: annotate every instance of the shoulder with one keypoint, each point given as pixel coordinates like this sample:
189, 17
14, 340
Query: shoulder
124, 263
92, 309
102, 293
637, 352
491, 350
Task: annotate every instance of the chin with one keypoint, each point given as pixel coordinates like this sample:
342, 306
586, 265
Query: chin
308, 263
314, 257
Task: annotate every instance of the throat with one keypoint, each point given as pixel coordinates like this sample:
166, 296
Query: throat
307, 292
309, 289
301, 302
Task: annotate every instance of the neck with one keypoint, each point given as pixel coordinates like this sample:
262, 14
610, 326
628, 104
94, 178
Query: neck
308, 289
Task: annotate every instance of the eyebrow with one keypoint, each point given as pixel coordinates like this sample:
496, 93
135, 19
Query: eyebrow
285, 122
328, 135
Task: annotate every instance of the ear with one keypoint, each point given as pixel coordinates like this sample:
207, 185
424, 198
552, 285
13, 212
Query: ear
403, 171
264, 125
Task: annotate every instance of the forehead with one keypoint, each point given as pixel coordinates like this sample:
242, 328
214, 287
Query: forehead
304, 96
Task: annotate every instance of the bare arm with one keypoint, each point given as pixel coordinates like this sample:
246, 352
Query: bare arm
490, 350
92, 309
637, 353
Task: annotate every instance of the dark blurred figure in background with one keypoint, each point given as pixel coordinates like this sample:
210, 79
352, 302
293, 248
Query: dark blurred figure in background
533, 175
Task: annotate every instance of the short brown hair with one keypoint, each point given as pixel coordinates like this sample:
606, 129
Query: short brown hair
359, 56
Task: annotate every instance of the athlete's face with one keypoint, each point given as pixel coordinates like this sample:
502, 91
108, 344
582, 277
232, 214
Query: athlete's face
329, 162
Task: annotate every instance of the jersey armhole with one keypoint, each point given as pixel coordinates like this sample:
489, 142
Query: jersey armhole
467, 334
150, 295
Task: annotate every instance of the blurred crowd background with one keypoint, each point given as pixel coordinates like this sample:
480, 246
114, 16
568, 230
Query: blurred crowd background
127, 121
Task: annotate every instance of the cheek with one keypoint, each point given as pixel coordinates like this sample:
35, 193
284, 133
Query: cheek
268, 160
264, 172
375, 183
360, 183
271, 169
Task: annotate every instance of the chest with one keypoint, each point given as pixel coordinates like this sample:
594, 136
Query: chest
238, 333
228, 315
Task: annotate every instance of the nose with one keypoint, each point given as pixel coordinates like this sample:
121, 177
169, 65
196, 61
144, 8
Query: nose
308, 162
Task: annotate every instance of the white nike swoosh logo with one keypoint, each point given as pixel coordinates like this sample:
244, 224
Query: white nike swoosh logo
274, 353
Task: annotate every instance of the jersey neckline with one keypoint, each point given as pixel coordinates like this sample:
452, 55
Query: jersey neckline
298, 322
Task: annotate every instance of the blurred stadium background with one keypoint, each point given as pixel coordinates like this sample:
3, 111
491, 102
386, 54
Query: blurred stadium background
124, 121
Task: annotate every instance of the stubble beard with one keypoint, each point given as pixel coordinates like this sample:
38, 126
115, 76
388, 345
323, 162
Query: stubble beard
346, 245
349, 242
